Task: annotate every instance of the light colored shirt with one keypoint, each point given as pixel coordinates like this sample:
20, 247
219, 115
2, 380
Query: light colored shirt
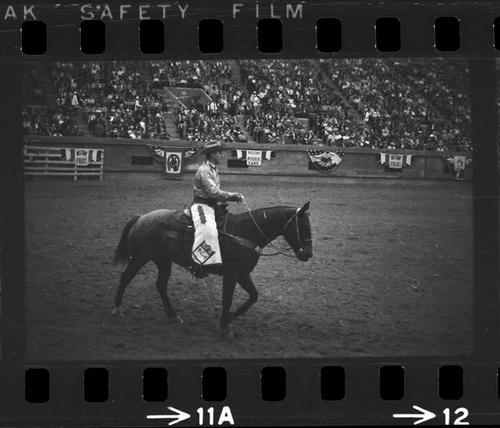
207, 183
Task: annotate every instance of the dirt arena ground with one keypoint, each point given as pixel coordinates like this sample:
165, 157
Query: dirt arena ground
391, 273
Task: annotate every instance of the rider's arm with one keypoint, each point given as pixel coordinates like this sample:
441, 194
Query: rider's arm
212, 188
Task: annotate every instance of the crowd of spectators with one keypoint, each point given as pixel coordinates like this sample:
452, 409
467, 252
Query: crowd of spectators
278, 128
33, 87
196, 125
279, 97
191, 74
292, 103
446, 86
40, 121
115, 99
331, 119
375, 103
400, 114
214, 116
176, 74
283, 86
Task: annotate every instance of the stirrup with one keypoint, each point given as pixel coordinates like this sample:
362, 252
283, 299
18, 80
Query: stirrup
198, 271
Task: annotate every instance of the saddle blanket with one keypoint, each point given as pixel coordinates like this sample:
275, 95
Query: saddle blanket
206, 249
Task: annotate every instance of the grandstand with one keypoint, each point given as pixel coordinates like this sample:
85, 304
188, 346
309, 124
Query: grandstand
367, 103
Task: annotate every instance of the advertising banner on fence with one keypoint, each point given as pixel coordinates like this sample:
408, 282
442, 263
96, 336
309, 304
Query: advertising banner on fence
457, 165
246, 158
393, 162
63, 161
85, 156
81, 157
188, 155
173, 162
254, 157
324, 160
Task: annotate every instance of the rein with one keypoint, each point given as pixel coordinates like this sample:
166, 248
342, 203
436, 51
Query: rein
269, 241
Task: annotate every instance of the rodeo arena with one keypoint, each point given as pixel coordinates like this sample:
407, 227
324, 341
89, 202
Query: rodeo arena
343, 214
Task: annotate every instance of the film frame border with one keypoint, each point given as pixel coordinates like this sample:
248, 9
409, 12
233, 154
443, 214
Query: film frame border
477, 26
362, 404
479, 368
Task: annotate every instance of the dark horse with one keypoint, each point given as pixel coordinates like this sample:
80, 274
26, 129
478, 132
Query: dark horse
165, 237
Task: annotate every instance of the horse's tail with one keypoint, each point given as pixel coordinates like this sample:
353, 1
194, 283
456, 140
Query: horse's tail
121, 252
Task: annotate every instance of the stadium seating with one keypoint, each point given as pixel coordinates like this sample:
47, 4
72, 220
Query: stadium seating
373, 103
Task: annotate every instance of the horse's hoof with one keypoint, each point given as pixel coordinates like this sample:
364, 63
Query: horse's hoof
176, 320
227, 333
118, 311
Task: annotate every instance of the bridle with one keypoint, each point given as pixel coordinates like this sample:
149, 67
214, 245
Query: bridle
268, 241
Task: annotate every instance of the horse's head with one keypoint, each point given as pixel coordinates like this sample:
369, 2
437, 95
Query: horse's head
297, 232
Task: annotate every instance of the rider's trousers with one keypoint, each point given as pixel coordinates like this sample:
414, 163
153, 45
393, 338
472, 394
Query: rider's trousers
206, 249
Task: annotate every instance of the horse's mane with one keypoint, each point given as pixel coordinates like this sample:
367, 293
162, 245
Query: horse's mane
243, 223
274, 210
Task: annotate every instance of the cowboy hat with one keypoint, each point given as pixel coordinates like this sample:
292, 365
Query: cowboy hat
213, 146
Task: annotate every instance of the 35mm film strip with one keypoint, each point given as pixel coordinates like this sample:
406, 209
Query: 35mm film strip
174, 29
249, 213
387, 32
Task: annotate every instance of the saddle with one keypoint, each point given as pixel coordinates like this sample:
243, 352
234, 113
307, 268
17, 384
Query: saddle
181, 226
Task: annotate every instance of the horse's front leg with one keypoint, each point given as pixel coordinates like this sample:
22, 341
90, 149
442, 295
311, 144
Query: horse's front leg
247, 284
228, 286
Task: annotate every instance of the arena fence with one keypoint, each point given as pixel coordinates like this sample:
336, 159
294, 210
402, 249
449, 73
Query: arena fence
273, 160
62, 161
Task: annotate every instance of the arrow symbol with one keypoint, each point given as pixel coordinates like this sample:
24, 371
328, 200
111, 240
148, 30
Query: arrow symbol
177, 417
422, 416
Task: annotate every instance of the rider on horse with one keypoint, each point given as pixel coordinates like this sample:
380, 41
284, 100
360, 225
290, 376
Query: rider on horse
207, 194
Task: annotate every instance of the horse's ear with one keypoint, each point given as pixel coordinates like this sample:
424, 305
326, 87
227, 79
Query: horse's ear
305, 207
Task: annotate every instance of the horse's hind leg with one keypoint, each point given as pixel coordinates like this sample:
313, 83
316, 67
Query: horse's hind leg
247, 284
126, 276
164, 270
